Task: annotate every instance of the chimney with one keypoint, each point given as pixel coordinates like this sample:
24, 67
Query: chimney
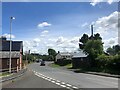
92, 30
3, 38
58, 51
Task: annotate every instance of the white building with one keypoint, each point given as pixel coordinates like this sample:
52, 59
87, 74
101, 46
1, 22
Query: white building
69, 56
64, 55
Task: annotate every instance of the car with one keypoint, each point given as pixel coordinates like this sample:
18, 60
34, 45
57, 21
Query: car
42, 63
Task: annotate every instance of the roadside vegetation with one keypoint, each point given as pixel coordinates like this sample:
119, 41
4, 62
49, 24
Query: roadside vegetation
100, 61
5, 74
68, 66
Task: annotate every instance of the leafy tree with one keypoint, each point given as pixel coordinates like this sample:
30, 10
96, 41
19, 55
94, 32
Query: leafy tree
52, 53
114, 50
97, 37
83, 40
110, 51
93, 48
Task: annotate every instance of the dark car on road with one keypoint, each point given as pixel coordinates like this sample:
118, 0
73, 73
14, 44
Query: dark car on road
42, 63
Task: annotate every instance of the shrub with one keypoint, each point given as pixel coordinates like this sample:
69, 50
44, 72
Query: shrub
103, 61
63, 62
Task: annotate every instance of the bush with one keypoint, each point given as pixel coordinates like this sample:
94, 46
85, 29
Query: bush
110, 64
63, 62
114, 64
102, 61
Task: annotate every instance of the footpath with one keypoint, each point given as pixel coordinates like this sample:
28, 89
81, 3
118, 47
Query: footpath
13, 76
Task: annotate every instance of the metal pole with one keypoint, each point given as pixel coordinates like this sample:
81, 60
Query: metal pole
10, 44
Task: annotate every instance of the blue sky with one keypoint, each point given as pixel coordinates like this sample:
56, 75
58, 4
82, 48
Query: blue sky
66, 22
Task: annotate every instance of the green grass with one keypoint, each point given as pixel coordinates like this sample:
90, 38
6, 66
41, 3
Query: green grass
57, 66
4, 74
68, 66
54, 65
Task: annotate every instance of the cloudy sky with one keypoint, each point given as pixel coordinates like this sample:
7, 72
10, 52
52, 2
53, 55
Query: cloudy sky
43, 25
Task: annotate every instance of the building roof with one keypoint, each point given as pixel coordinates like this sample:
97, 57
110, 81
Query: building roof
65, 54
79, 54
5, 45
6, 54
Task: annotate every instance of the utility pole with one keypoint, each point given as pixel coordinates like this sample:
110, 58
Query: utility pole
11, 18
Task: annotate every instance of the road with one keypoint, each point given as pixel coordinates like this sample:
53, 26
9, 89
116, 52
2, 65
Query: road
47, 77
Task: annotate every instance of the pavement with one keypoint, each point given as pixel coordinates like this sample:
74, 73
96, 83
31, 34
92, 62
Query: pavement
13, 76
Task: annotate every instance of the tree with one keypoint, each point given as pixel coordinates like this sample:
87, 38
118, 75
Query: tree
114, 50
83, 40
97, 37
52, 53
93, 48
110, 51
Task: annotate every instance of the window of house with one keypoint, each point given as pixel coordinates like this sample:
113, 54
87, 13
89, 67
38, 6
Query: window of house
8, 61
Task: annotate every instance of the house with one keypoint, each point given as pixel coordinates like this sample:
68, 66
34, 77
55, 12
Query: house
80, 59
63, 55
63, 58
16, 54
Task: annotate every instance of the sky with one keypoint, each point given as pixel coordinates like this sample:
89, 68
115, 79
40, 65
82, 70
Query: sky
59, 25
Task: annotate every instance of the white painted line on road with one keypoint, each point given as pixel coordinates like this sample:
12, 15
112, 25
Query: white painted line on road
49, 80
57, 82
63, 82
75, 87
62, 85
69, 85
53, 81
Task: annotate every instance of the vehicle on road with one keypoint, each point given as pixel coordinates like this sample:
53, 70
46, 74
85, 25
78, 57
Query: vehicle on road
42, 63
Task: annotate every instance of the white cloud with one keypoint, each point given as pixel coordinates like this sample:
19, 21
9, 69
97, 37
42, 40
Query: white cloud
44, 24
107, 26
84, 25
44, 33
8, 35
110, 42
60, 43
61, 40
94, 2
67, 44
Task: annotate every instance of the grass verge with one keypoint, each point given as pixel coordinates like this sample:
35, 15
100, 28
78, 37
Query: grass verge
4, 74
57, 66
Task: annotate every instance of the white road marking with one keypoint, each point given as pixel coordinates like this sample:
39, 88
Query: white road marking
63, 82
62, 85
75, 87
53, 81
57, 82
68, 85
